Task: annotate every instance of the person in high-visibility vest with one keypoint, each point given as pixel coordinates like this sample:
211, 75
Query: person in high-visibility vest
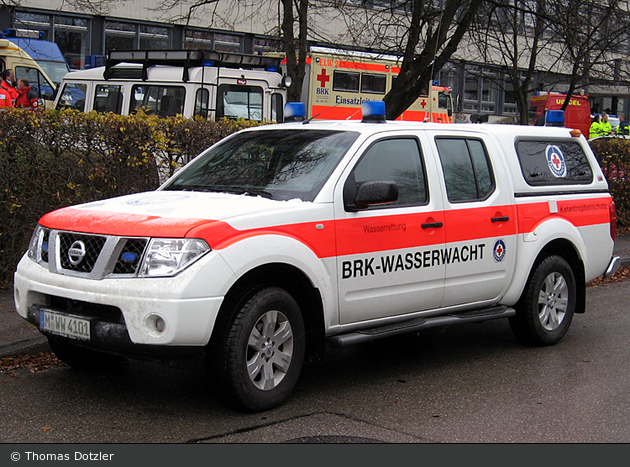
596, 129
606, 128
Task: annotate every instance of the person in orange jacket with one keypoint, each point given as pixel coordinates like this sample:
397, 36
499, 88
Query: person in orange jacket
5, 99
8, 78
27, 98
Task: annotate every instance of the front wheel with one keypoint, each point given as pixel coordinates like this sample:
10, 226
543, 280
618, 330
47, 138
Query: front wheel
545, 310
263, 350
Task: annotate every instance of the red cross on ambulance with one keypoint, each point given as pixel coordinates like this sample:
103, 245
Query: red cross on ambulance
323, 78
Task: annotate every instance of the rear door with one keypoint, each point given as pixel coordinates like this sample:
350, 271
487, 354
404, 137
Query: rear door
479, 218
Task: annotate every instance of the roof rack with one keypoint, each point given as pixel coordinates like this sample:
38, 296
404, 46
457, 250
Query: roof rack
186, 59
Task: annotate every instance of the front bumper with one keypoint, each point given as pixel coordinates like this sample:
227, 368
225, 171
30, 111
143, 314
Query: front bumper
122, 312
113, 338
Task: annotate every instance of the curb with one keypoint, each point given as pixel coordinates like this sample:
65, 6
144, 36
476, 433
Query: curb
25, 347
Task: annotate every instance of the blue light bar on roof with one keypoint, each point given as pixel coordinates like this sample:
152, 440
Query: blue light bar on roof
554, 118
373, 111
294, 112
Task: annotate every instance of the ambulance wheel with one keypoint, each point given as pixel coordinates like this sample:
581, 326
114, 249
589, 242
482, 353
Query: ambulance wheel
81, 358
545, 310
263, 351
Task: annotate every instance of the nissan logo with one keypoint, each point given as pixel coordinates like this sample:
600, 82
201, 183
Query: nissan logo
76, 252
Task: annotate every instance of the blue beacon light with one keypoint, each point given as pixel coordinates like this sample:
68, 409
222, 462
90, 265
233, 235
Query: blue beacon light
373, 111
294, 112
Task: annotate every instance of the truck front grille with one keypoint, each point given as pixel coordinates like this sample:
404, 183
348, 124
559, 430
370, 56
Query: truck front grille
79, 252
90, 256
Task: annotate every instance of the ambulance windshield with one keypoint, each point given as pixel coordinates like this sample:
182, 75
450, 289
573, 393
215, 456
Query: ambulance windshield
277, 164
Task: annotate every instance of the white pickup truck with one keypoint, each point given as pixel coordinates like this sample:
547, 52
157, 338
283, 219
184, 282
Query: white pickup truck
280, 239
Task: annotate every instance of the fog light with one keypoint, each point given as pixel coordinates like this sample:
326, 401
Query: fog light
155, 326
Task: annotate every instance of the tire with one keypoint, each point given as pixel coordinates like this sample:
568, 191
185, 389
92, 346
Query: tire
81, 358
545, 310
263, 350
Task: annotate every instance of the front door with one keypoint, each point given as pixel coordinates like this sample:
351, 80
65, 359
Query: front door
388, 259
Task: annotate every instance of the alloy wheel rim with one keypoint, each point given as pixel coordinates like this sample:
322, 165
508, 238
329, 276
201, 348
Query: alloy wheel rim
269, 350
553, 301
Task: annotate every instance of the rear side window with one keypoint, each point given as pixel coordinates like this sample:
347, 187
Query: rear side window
553, 162
466, 168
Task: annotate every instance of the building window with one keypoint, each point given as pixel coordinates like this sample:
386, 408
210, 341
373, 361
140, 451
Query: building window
266, 44
72, 37
208, 40
70, 33
154, 38
119, 36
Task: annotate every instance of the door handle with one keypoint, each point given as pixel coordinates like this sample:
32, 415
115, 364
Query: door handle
500, 219
432, 225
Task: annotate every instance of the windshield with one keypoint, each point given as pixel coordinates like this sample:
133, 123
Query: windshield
277, 164
55, 70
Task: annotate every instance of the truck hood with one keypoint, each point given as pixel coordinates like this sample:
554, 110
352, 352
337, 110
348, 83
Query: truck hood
161, 213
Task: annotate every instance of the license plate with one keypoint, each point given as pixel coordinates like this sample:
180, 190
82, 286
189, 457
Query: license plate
64, 325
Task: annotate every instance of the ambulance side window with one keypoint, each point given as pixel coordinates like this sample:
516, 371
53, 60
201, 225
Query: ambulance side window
277, 108
346, 81
108, 98
466, 169
399, 160
374, 84
163, 101
201, 102
72, 97
37, 81
240, 101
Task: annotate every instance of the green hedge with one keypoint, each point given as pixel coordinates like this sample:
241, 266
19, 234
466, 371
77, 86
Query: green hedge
53, 159
613, 155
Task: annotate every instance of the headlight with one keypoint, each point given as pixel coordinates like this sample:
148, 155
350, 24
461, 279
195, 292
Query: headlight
169, 256
38, 248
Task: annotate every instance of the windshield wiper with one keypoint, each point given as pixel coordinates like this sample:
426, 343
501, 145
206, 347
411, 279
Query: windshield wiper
222, 189
257, 192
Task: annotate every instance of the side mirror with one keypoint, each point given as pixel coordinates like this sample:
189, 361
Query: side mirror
372, 193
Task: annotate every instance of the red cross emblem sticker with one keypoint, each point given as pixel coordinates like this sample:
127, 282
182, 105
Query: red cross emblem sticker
323, 78
556, 162
499, 251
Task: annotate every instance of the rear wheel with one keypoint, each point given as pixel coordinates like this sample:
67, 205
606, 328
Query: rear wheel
545, 310
263, 350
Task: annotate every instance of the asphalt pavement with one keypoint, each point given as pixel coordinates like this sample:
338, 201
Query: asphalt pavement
18, 337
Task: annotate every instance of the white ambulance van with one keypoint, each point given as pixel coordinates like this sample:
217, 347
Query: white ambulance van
282, 238
14, 58
187, 82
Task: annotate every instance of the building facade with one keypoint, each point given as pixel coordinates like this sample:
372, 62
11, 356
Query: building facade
84, 30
